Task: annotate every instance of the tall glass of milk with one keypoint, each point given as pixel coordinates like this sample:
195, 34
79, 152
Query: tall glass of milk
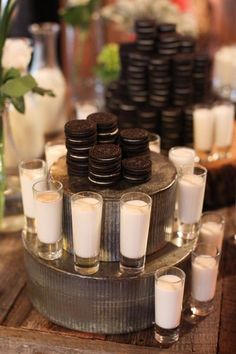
190, 197
48, 196
205, 263
203, 131
212, 228
223, 112
30, 171
54, 149
135, 212
169, 291
86, 210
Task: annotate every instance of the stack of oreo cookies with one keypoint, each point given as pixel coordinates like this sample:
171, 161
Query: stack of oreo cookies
137, 77
146, 35
81, 135
159, 82
171, 127
134, 142
105, 164
201, 77
182, 94
188, 127
107, 127
127, 114
148, 118
137, 169
125, 49
168, 41
187, 45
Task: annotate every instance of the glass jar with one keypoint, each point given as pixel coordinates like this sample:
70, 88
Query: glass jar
48, 75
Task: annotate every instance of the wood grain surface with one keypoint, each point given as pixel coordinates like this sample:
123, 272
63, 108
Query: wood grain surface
24, 330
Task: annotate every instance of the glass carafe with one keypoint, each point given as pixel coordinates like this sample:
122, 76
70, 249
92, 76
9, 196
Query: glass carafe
48, 74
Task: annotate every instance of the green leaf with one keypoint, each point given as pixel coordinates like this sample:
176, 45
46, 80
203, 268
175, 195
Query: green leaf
18, 103
11, 74
79, 15
19, 86
42, 92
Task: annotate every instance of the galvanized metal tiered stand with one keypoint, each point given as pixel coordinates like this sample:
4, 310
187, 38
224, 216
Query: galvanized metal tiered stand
108, 301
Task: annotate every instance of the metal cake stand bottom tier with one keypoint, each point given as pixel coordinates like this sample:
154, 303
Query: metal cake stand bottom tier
107, 302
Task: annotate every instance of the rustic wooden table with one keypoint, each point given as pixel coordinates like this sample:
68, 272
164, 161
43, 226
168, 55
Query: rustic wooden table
23, 330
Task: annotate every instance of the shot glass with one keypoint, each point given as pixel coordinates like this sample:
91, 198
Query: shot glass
135, 212
223, 112
183, 158
205, 263
169, 291
30, 172
155, 143
48, 196
203, 129
212, 229
86, 223
54, 150
190, 196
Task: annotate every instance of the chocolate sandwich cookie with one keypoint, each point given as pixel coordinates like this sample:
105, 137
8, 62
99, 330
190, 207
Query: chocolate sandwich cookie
79, 129
137, 169
105, 164
134, 142
107, 126
81, 135
166, 28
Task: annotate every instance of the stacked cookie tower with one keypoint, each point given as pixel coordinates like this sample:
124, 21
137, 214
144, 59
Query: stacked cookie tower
134, 142
81, 135
91, 152
161, 70
107, 127
105, 164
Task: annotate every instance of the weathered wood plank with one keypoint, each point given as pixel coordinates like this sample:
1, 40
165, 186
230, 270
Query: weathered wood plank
12, 274
227, 340
22, 341
19, 311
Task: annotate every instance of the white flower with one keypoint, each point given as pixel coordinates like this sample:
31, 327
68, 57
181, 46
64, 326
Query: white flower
16, 54
71, 3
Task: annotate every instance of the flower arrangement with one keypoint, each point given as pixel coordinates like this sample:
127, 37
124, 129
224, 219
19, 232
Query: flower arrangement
108, 63
125, 12
15, 56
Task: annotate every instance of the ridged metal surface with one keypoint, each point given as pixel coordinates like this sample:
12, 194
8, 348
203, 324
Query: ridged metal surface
162, 189
107, 302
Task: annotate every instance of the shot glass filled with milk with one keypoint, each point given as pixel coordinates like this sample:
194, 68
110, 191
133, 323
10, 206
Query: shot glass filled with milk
30, 172
135, 212
203, 129
169, 291
183, 158
205, 263
54, 150
212, 229
190, 197
223, 112
86, 223
48, 197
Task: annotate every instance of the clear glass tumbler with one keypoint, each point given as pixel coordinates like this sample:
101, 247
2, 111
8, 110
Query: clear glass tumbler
212, 228
205, 263
86, 222
30, 172
169, 291
48, 199
135, 212
190, 197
